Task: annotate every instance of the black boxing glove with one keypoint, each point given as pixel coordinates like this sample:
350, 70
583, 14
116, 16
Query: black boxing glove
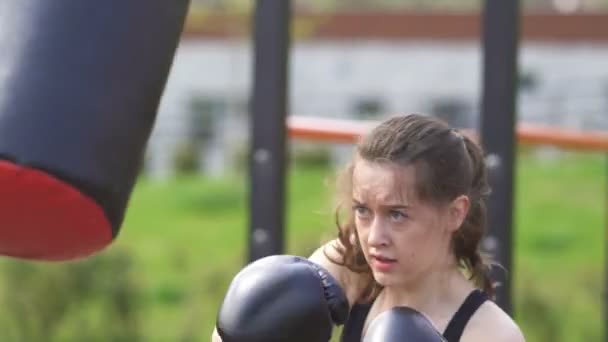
402, 324
282, 298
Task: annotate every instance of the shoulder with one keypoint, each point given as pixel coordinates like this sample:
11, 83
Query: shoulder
491, 323
352, 283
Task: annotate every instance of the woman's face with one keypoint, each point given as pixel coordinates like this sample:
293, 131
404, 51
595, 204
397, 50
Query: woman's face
401, 237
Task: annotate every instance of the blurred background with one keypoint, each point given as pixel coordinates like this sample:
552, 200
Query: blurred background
185, 235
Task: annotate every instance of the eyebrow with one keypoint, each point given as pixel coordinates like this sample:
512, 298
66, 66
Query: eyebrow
391, 206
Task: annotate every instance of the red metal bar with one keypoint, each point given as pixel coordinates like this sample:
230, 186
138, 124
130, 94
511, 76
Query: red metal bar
349, 131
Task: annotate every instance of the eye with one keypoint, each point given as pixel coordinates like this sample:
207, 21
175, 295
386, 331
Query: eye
361, 211
397, 215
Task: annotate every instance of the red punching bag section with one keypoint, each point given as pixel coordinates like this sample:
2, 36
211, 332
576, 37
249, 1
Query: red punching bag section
80, 84
46, 218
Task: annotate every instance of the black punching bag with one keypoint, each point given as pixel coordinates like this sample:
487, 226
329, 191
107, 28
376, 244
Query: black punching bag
80, 84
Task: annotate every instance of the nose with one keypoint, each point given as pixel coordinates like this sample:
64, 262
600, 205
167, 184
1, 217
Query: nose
378, 233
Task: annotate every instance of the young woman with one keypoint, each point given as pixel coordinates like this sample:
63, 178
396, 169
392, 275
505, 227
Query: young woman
411, 221
414, 219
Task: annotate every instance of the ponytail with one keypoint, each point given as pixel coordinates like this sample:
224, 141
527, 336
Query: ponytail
467, 239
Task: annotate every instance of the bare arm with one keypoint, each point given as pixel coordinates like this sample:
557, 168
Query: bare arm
351, 282
215, 337
491, 323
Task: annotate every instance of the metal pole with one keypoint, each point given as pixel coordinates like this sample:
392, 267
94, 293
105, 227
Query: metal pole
606, 254
268, 128
500, 49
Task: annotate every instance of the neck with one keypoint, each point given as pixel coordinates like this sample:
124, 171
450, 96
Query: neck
440, 287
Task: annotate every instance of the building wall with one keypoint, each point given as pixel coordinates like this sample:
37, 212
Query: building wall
563, 84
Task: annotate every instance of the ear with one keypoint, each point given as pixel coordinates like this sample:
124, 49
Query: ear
457, 212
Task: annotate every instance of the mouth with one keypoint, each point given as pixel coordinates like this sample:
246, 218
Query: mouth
382, 263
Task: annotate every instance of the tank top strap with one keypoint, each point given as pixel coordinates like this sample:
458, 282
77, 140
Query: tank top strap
353, 329
456, 326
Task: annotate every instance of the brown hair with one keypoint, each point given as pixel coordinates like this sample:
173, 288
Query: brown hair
448, 164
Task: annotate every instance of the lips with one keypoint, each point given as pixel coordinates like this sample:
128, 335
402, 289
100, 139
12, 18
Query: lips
382, 258
382, 263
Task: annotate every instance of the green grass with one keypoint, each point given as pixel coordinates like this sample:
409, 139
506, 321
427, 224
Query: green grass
559, 253
190, 236
185, 239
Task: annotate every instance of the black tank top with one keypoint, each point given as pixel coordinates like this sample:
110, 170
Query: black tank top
353, 328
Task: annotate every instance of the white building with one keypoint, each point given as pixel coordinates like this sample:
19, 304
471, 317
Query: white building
564, 83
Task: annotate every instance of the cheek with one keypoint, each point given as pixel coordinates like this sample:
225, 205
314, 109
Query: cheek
408, 250
362, 236
417, 245
362, 232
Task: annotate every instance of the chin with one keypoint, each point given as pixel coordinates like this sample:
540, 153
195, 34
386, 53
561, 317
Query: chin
389, 279
384, 279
